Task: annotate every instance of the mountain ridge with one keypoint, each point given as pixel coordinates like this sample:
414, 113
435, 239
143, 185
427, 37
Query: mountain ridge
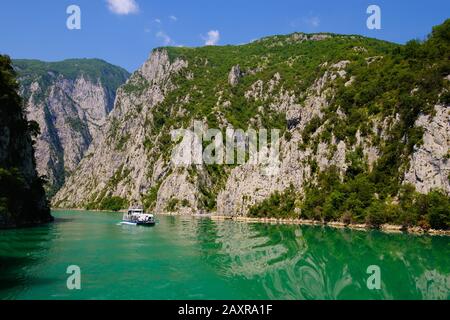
345, 102
70, 100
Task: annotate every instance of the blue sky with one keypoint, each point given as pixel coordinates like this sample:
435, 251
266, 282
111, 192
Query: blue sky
124, 32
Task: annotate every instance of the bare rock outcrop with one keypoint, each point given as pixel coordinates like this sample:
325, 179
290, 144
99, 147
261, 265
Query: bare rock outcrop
117, 163
430, 163
321, 127
235, 75
69, 108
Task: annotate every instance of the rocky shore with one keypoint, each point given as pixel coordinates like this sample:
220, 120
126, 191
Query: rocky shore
387, 228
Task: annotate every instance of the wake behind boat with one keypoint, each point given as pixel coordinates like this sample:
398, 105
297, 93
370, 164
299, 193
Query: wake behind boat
137, 217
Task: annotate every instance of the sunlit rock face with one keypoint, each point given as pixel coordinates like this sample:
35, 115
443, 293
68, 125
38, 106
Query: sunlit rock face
430, 163
120, 150
70, 101
298, 90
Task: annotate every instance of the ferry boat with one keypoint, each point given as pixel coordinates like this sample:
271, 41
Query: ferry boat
137, 217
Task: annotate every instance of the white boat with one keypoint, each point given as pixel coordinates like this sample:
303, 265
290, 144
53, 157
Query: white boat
137, 217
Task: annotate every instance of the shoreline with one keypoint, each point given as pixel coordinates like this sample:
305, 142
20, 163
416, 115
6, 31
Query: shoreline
386, 228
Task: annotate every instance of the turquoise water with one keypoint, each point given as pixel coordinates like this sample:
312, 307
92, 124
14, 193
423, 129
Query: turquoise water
193, 258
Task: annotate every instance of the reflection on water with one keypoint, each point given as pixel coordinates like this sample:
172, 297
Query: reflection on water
295, 262
191, 258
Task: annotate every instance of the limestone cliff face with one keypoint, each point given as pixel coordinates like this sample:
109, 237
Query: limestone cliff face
70, 106
300, 92
249, 184
117, 162
430, 163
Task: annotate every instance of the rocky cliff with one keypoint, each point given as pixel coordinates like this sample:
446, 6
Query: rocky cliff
122, 161
22, 197
430, 165
369, 109
71, 101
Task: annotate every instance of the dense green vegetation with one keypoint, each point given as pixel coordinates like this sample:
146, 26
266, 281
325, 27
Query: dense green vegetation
149, 200
175, 204
278, 205
113, 204
103, 201
408, 82
204, 93
405, 82
111, 76
22, 196
109, 203
218, 175
391, 86
297, 63
356, 200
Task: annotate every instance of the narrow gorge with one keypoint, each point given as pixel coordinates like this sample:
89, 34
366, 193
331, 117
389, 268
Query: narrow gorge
70, 100
364, 125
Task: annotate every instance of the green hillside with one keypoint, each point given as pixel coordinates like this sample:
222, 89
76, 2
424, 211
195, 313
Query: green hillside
111, 76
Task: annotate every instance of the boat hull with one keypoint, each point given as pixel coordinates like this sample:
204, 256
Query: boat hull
126, 223
146, 224
142, 224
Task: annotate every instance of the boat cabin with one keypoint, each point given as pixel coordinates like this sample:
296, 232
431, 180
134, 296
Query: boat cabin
137, 216
135, 211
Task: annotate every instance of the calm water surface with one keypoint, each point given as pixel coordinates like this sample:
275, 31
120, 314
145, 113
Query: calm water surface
192, 258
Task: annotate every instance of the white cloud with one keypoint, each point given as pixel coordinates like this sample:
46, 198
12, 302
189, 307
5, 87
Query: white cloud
123, 7
165, 38
213, 38
312, 21
173, 18
157, 20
